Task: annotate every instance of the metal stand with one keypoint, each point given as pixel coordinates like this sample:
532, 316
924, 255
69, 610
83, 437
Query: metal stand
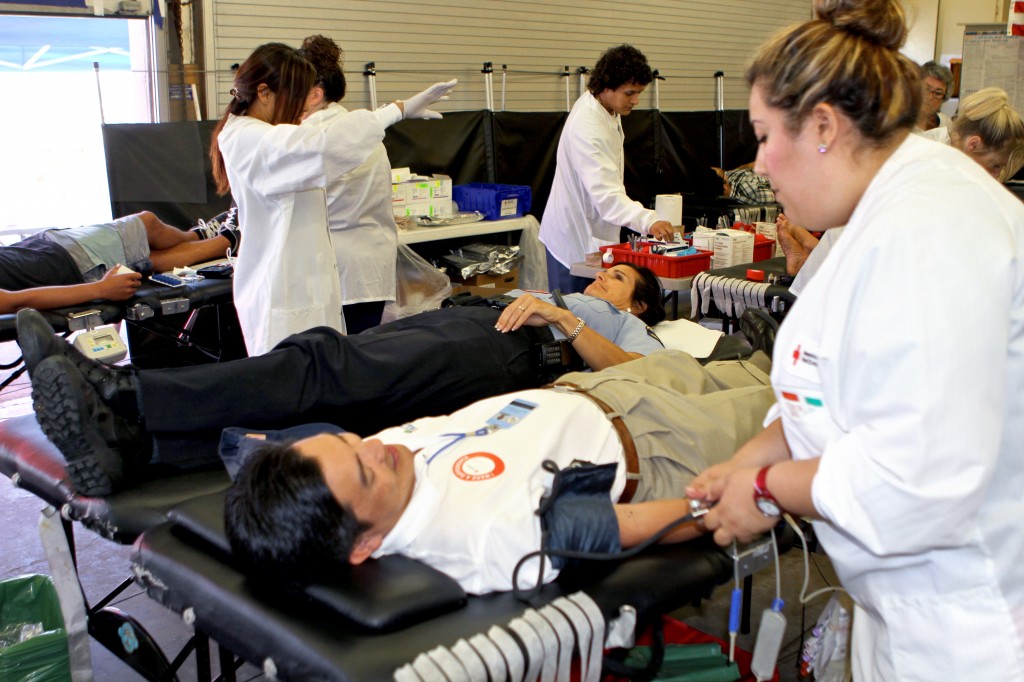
720, 115
565, 75
370, 71
488, 72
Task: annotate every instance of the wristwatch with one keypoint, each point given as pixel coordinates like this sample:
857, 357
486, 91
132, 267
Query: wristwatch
764, 500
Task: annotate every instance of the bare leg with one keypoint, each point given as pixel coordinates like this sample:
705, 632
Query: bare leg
189, 253
162, 236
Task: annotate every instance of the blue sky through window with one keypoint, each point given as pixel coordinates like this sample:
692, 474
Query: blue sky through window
62, 44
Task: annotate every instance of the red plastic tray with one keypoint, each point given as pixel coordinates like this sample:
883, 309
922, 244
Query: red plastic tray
664, 266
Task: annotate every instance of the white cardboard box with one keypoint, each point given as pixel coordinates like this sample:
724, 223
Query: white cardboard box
704, 240
400, 175
732, 247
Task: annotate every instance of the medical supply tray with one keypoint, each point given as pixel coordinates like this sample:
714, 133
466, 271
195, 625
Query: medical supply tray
493, 200
673, 267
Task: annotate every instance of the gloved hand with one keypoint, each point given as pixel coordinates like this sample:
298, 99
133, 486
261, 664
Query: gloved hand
417, 105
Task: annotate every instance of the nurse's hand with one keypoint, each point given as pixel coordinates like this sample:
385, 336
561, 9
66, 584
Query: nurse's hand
531, 311
735, 516
418, 106
662, 230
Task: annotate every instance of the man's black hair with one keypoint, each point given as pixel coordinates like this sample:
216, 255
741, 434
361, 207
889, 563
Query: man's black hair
617, 66
282, 520
648, 292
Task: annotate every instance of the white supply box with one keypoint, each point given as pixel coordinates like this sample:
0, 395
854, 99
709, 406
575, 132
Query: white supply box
704, 239
732, 247
770, 231
420, 195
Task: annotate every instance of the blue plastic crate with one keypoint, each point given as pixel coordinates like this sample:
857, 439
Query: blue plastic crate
493, 200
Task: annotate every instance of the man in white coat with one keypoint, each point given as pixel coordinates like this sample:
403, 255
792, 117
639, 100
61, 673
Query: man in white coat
588, 202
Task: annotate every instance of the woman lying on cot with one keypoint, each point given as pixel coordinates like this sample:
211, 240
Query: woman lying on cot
64, 267
286, 279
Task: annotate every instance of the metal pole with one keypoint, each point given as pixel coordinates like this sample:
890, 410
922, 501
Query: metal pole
565, 75
583, 71
99, 91
720, 115
370, 71
657, 90
488, 72
504, 73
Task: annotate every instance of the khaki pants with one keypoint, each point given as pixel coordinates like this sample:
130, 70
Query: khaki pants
683, 416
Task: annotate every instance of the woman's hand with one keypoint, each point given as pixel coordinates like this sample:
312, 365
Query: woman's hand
734, 516
531, 311
115, 287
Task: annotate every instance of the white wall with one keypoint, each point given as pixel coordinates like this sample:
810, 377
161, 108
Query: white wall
414, 44
955, 14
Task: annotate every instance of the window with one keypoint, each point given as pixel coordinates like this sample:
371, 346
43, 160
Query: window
54, 174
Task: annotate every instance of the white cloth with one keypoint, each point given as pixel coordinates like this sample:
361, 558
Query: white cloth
286, 278
362, 222
902, 367
940, 134
588, 201
499, 472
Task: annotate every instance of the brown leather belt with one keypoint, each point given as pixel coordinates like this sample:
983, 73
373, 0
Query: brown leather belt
628, 446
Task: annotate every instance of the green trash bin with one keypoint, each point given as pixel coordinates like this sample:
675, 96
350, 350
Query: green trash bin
30, 600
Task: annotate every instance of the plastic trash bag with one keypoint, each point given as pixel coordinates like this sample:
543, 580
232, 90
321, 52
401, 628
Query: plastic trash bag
421, 286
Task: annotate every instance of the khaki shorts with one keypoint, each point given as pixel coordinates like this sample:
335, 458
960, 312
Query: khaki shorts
98, 248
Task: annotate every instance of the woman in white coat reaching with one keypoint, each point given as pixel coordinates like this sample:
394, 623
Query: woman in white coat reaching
900, 413
286, 277
358, 203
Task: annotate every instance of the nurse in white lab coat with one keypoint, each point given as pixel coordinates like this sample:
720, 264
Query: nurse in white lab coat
359, 203
899, 373
588, 201
286, 278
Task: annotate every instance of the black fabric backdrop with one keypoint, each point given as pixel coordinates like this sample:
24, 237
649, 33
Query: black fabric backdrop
165, 167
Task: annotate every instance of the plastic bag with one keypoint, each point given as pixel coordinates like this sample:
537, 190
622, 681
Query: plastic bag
421, 286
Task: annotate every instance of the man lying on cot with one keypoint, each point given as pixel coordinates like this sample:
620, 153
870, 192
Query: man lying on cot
64, 267
460, 492
431, 363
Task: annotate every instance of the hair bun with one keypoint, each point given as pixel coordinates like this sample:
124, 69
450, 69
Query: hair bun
881, 21
322, 52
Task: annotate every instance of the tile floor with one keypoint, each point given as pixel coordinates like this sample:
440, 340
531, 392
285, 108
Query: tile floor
104, 564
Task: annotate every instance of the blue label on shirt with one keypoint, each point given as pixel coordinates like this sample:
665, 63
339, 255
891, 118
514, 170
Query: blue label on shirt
511, 414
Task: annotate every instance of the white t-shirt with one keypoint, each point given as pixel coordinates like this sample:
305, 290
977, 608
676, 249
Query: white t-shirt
471, 514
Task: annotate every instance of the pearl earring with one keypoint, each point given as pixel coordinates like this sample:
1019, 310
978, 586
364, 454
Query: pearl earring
822, 148
629, 310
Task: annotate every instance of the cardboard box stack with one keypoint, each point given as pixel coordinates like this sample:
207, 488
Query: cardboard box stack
416, 195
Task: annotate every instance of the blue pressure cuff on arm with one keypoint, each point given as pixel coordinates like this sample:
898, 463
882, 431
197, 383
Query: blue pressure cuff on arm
578, 514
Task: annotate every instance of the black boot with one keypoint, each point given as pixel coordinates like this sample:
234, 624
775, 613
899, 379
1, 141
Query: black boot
103, 451
118, 387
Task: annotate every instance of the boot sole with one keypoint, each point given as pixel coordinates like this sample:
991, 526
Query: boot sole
60, 405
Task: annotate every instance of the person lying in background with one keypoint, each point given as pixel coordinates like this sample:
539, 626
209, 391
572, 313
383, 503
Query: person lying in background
65, 267
431, 363
743, 184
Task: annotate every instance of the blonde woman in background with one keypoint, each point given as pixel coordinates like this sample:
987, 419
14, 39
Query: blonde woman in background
986, 128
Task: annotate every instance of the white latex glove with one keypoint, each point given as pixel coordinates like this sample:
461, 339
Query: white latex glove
417, 105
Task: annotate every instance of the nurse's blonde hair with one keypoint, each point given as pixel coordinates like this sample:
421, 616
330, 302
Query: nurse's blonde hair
987, 113
848, 56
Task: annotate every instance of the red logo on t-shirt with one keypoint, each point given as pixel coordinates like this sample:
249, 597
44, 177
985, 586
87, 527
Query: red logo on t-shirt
478, 466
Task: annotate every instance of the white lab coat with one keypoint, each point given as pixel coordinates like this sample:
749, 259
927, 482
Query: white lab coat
902, 366
588, 201
362, 222
286, 278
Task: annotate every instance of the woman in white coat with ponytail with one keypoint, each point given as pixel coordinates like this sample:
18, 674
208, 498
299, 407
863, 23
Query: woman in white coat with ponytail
286, 277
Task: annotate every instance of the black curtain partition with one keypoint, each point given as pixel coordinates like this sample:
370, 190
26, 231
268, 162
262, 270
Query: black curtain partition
165, 167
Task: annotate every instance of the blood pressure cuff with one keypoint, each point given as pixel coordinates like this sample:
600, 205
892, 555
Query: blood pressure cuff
238, 444
577, 515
